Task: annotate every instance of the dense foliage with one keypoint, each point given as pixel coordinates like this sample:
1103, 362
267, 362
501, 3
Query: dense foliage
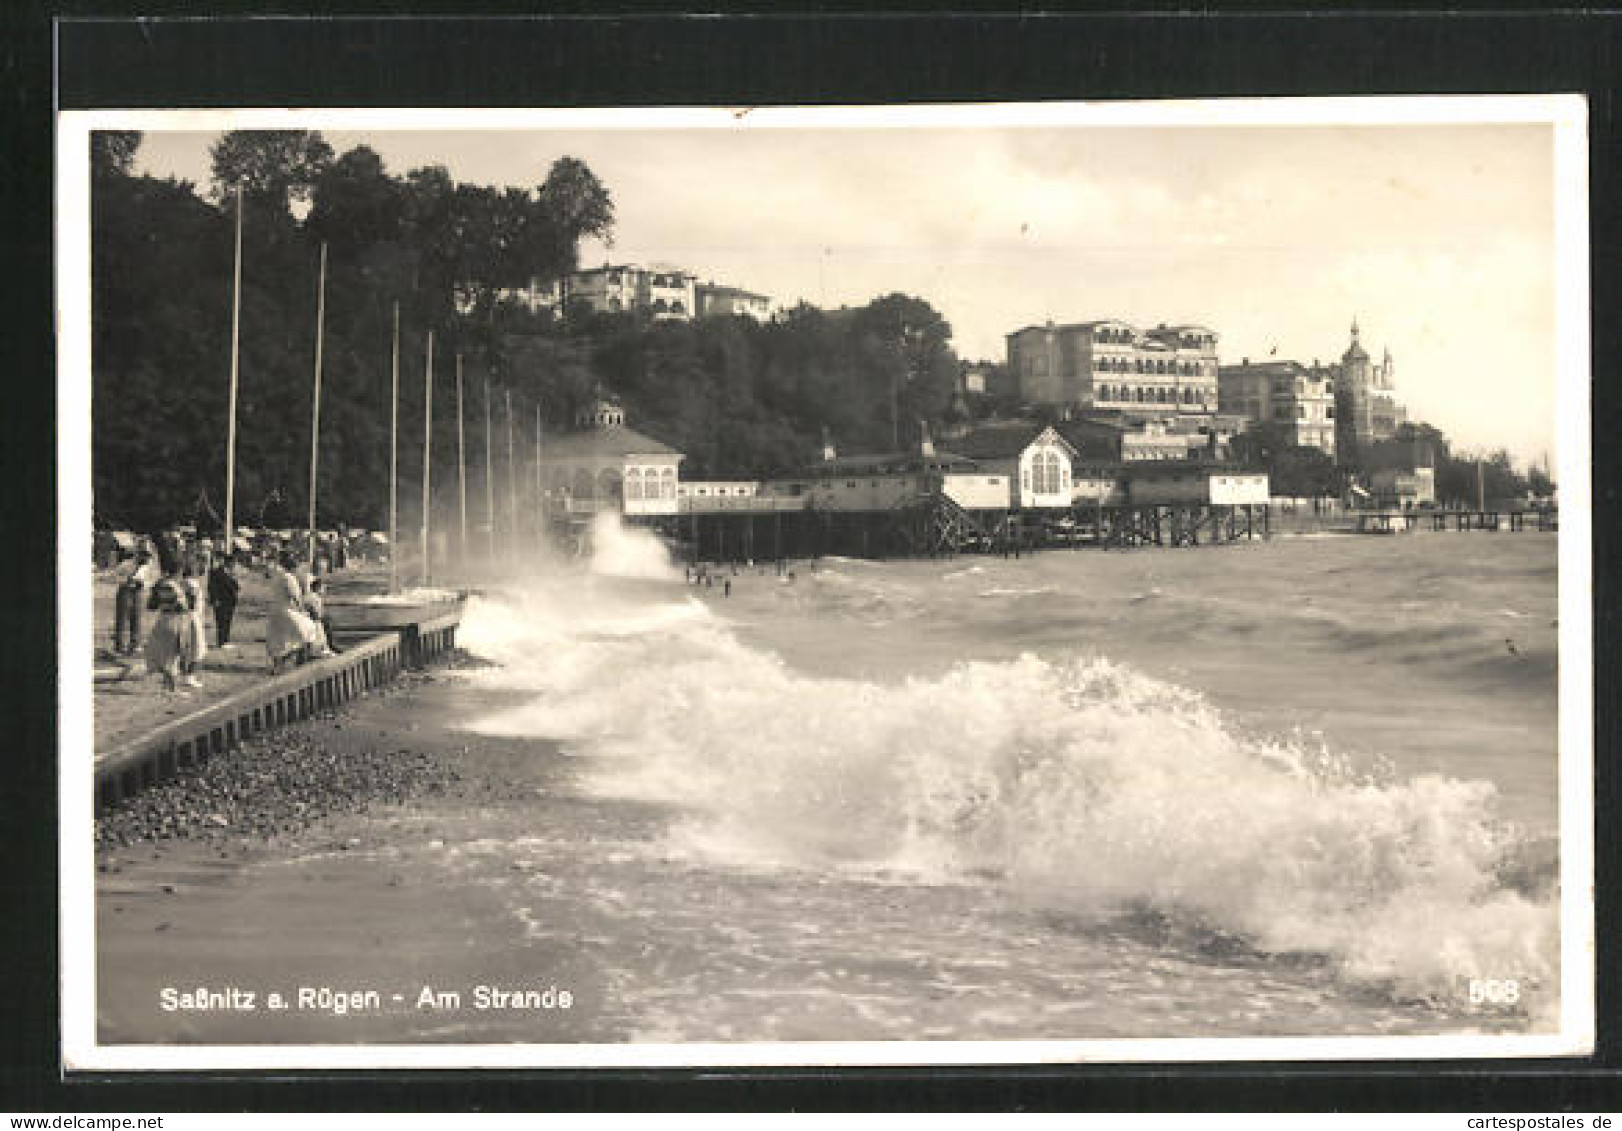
741, 398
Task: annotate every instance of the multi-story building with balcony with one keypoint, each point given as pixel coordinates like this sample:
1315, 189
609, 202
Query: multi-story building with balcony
656, 292
1299, 399
659, 293
1109, 364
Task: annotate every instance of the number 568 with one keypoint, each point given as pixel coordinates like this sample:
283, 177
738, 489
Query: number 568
1490, 991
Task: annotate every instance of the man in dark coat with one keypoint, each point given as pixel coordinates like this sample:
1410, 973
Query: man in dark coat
223, 588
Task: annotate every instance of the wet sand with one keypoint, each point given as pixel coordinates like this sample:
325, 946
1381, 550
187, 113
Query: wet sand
311, 915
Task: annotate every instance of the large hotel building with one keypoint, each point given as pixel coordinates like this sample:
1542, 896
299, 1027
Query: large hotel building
1114, 365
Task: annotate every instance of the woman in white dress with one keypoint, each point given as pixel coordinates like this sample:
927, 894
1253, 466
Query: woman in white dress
193, 580
289, 631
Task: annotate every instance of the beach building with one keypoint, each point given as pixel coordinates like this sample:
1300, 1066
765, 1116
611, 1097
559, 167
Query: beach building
1299, 399
1120, 439
605, 465
1221, 486
1403, 487
1035, 458
1399, 473
1112, 364
886, 480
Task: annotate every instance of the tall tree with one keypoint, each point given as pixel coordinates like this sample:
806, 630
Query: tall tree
356, 203
572, 205
112, 152
272, 166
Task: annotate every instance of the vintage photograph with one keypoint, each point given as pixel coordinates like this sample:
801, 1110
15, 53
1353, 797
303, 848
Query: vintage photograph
1003, 583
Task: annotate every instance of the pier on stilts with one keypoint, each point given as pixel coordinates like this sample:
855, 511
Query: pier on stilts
1398, 522
737, 531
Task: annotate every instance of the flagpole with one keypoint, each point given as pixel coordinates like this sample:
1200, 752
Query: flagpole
461, 457
315, 414
512, 478
489, 472
231, 418
394, 458
427, 452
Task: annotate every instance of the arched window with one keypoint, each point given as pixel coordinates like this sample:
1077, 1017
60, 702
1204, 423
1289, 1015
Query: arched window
667, 484
1045, 466
633, 483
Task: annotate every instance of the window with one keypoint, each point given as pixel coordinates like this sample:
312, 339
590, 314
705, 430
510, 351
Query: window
633, 483
1045, 469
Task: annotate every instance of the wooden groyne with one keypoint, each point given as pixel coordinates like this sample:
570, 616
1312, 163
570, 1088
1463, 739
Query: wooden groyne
159, 754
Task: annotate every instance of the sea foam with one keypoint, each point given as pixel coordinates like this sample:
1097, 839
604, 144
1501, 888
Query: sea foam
1080, 783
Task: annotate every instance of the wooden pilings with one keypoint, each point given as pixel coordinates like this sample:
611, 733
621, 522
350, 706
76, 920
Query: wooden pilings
934, 526
283, 699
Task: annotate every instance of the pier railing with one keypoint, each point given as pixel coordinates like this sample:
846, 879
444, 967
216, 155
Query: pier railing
1392, 522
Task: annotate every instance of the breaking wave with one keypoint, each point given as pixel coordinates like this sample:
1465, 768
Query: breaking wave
1085, 786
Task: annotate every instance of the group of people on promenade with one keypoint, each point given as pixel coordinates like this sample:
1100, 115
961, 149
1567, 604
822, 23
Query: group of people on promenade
178, 582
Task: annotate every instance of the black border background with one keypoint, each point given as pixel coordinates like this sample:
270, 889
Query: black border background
378, 57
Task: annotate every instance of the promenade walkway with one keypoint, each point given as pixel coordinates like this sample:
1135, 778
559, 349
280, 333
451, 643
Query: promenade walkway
144, 733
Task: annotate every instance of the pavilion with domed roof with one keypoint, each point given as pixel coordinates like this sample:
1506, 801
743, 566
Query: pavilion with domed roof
603, 464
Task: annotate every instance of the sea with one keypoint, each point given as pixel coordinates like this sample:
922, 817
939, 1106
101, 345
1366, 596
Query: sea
1297, 787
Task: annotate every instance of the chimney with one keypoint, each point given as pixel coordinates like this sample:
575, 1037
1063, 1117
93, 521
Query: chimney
926, 446
828, 452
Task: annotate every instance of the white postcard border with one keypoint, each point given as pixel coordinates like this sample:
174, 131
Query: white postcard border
1566, 113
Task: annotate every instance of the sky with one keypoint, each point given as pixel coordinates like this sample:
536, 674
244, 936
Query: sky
1438, 239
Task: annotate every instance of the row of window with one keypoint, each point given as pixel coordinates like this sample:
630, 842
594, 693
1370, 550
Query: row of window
659, 484
1137, 394
1282, 412
1150, 365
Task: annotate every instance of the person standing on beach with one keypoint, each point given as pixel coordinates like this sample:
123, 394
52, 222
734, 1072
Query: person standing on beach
132, 579
289, 631
223, 591
195, 579
167, 645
